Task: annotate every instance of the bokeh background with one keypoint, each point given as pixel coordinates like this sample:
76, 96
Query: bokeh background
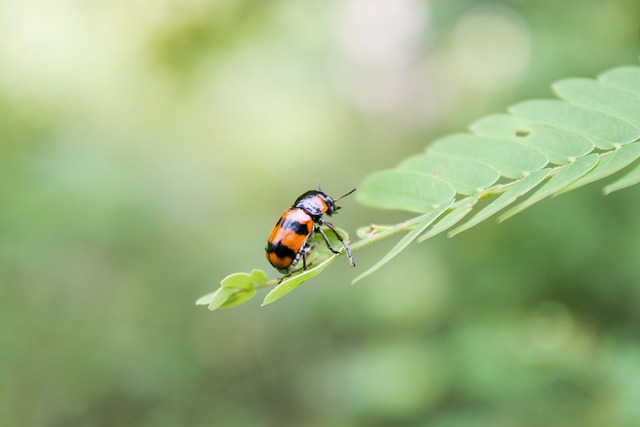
147, 147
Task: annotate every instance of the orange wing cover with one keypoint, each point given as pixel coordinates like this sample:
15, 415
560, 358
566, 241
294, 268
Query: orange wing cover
288, 237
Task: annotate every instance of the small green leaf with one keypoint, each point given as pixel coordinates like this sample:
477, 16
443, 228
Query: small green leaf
205, 299
289, 283
237, 281
465, 176
560, 145
406, 240
518, 189
220, 297
406, 190
603, 129
509, 158
234, 289
610, 163
452, 218
569, 174
611, 99
627, 77
238, 297
259, 276
627, 180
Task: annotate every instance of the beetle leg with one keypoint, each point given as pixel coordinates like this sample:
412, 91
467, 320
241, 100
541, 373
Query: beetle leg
344, 244
326, 240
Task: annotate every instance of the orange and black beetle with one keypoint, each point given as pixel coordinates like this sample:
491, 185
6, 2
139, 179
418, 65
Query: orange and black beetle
289, 240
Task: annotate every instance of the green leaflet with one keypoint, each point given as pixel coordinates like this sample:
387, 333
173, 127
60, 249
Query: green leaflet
452, 218
560, 145
608, 98
237, 281
407, 239
465, 176
627, 180
234, 289
405, 190
288, 284
510, 158
626, 77
518, 189
206, 299
565, 177
215, 299
609, 164
237, 298
603, 129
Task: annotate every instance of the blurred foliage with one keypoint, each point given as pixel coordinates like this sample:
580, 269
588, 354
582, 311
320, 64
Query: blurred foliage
147, 147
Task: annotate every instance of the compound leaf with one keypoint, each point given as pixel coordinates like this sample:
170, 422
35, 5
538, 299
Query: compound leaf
590, 133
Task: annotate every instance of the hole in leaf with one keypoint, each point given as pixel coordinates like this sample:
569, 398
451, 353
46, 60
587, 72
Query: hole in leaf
521, 133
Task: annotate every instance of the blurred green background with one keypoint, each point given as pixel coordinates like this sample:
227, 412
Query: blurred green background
148, 147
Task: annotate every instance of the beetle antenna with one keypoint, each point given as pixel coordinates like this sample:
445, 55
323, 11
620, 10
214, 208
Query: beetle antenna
318, 184
344, 195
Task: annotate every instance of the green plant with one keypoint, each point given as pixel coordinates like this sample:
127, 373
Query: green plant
541, 148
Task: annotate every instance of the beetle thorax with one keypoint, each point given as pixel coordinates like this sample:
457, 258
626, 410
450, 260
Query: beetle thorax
315, 203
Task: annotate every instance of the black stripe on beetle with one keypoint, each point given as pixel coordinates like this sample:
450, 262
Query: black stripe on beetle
295, 226
281, 251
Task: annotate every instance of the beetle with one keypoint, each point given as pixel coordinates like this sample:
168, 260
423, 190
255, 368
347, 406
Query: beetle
289, 239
